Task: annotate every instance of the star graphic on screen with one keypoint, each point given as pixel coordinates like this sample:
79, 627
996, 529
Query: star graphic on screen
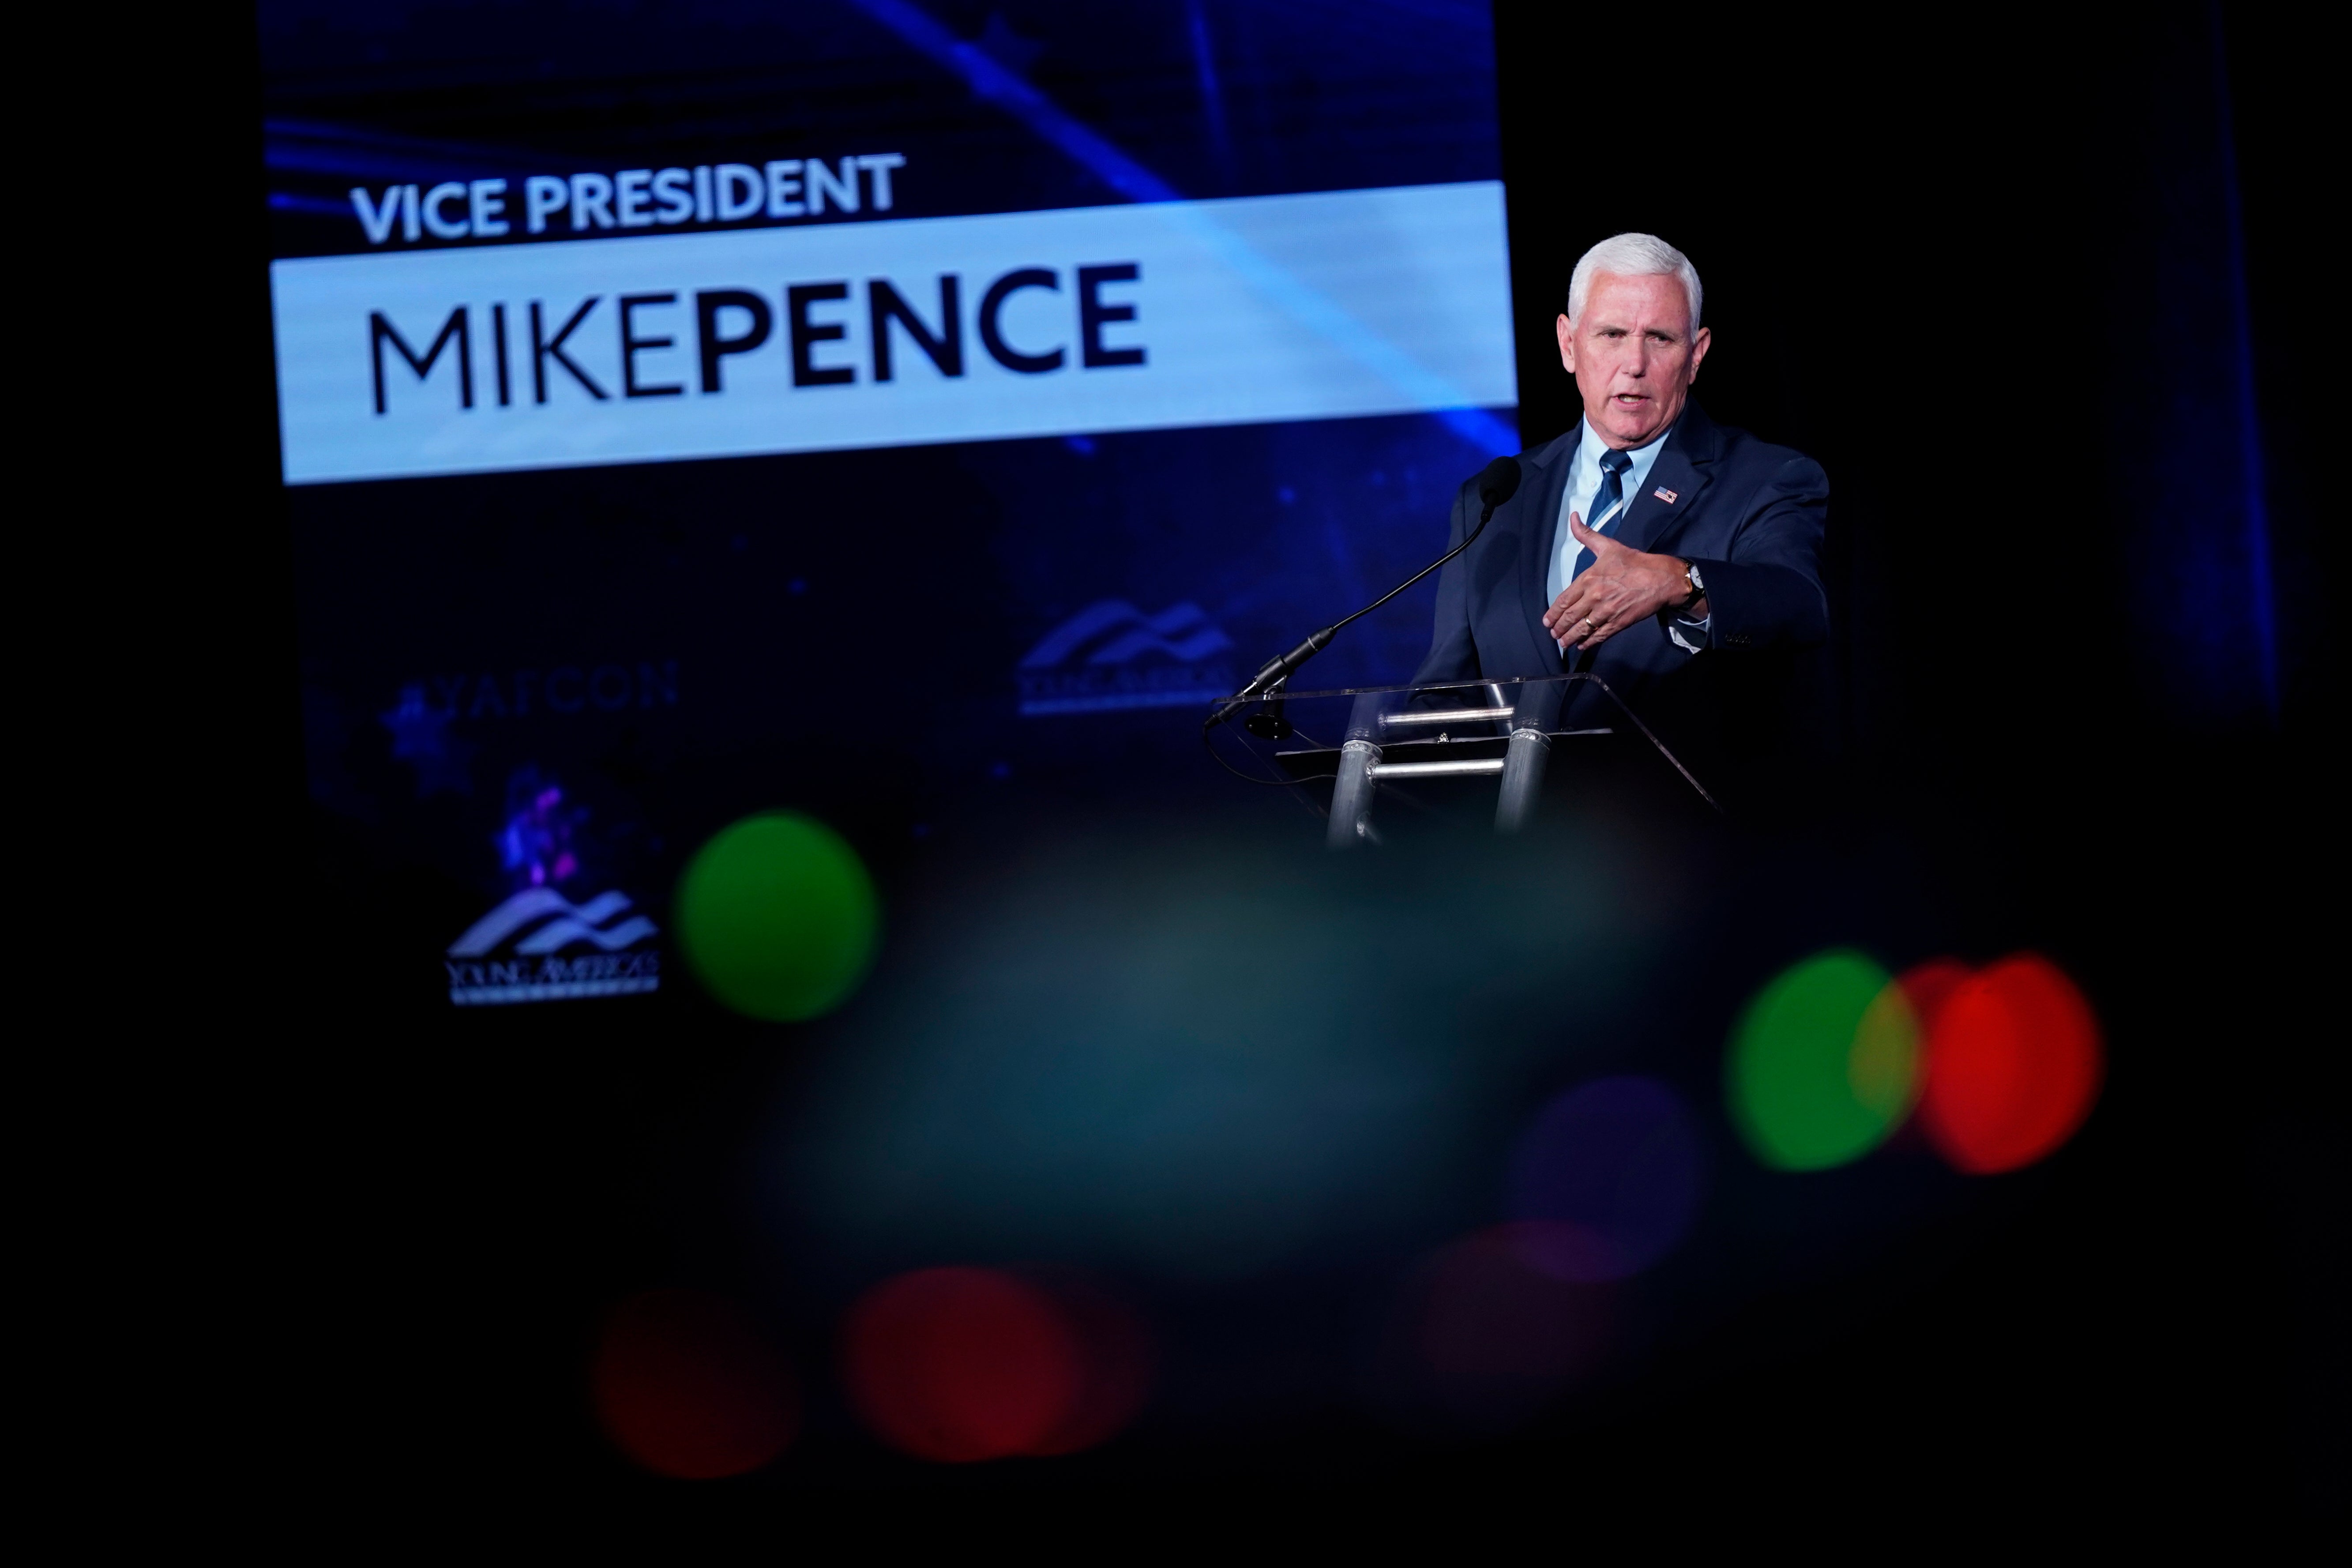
420, 737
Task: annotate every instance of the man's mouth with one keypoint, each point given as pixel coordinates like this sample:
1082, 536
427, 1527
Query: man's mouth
1629, 399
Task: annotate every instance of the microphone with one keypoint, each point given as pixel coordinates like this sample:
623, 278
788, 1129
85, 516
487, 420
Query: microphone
1498, 481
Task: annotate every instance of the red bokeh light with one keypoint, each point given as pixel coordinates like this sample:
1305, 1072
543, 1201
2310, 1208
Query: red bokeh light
963, 1364
1927, 987
1117, 1361
1489, 1317
1482, 1335
685, 1385
2014, 1062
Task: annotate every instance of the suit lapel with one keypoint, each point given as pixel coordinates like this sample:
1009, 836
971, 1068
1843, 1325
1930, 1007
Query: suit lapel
1539, 529
1681, 472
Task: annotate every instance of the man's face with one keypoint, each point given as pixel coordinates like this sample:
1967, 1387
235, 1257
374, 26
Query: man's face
1633, 355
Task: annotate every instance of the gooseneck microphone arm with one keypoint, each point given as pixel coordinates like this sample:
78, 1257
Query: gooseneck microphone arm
1497, 483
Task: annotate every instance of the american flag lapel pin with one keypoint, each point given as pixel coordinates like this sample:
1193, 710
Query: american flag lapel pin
1664, 495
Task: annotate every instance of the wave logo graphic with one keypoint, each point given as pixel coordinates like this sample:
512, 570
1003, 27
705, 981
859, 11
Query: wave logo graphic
1111, 655
517, 951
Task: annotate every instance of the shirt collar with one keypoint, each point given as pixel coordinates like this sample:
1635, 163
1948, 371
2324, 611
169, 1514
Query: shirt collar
1590, 446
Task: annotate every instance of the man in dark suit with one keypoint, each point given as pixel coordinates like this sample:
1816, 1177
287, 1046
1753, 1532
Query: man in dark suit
1676, 559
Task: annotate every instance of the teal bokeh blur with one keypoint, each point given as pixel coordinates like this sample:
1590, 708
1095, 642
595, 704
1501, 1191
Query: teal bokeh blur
1204, 1058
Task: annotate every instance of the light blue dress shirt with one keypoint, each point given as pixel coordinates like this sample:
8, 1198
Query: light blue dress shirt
1583, 484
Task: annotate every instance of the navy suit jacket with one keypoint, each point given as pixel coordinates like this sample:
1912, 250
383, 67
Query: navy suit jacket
1747, 513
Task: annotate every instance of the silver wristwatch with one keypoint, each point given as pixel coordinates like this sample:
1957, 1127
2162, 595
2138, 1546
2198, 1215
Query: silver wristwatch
1698, 585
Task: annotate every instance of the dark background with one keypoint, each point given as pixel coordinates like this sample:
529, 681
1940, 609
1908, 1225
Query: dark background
1978, 265
1976, 262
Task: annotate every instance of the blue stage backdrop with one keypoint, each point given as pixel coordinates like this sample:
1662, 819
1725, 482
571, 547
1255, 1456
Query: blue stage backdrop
867, 407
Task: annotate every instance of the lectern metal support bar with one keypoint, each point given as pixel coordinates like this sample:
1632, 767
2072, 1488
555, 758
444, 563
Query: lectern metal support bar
1351, 795
1472, 766
1436, 729
1447, 716
1522, 768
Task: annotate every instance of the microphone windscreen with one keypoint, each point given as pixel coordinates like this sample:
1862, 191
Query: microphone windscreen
1499, 481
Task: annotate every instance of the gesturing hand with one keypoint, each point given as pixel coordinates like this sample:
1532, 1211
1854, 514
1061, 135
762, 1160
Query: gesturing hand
1623, 587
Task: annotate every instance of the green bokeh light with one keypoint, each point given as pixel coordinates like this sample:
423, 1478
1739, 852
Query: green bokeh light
777, 916
1824, 1064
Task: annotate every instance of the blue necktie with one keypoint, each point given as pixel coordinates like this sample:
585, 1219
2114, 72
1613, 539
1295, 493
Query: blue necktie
1613, 464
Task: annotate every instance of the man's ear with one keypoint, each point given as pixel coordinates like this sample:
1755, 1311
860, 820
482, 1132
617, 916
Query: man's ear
1700, 345
1567, 330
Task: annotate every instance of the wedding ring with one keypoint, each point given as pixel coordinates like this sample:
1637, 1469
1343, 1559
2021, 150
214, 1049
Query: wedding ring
1588, 621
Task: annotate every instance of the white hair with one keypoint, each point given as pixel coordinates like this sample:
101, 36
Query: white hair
1634, 255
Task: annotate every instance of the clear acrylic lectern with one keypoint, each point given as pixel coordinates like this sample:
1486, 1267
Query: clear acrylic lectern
1360, 737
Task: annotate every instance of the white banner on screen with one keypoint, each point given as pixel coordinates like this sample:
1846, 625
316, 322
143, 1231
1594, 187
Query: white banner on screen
733, 343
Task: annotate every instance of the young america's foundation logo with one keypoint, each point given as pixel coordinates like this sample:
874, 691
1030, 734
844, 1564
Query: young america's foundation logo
1111, 655
529, 949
